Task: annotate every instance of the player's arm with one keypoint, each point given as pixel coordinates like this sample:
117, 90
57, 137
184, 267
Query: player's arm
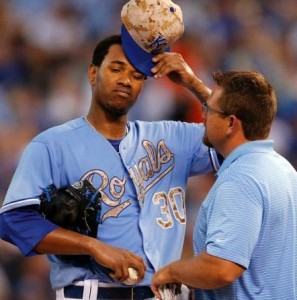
174, 66
24, 227
203, 271
63, 241
32, 234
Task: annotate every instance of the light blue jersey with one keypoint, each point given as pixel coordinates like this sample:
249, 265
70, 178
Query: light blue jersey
142, 187
250, 217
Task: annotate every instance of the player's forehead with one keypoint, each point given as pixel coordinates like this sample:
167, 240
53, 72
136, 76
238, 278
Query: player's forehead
116, 55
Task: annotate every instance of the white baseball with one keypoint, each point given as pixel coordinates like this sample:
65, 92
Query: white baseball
133, 276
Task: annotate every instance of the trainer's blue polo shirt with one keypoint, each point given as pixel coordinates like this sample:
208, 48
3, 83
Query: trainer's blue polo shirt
249, 217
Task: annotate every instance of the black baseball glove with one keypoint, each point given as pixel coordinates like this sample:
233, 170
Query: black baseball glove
76, 207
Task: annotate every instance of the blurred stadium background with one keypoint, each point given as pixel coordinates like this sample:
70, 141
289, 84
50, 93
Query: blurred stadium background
46, 47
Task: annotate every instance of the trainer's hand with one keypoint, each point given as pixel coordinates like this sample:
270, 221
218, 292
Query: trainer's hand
173, 65
160, 278
118, 260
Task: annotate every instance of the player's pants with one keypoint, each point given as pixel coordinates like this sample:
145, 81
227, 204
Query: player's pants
94, 290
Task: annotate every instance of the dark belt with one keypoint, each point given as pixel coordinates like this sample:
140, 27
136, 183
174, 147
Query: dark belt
136, 293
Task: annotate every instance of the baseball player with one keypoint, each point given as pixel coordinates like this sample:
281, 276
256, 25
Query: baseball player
140, 168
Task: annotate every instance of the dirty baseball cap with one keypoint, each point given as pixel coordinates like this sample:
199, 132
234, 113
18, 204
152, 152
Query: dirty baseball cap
149, 27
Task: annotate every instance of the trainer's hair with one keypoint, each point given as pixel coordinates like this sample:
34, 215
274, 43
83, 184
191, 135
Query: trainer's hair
102, 48
251, 98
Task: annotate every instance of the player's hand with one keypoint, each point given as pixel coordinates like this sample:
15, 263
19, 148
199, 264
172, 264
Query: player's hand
118, 260
173, 65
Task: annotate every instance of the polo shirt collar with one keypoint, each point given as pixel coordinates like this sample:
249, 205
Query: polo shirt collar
263, 146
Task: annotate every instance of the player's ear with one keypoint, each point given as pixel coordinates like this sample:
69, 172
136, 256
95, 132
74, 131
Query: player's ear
92, 74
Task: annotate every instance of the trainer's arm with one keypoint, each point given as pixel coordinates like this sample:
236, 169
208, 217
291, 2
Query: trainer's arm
203, 271
174, 66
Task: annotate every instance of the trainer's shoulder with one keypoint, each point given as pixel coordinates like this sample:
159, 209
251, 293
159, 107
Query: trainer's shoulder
61, 131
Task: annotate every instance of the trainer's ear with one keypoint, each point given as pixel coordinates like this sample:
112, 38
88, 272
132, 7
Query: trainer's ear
232, 120
92, 74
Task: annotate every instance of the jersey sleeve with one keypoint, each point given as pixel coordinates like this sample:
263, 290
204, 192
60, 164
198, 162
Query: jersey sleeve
204, 159
25, 228
34, 172
216, 159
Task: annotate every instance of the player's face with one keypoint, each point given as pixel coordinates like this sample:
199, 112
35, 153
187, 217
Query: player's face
116, 84
215, 122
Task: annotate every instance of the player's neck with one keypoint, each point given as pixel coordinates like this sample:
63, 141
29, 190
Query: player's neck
110, 130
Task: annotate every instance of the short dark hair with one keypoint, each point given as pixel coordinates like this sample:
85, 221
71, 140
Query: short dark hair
102, 48
251, 98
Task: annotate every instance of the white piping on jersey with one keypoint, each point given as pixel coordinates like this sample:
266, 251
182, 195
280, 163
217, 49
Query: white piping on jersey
214, 159
17, 204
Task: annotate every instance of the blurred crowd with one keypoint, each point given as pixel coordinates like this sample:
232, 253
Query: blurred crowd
45, 50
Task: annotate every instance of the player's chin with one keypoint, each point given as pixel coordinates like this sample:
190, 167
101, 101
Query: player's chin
120, 111
123, 108
123, 105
